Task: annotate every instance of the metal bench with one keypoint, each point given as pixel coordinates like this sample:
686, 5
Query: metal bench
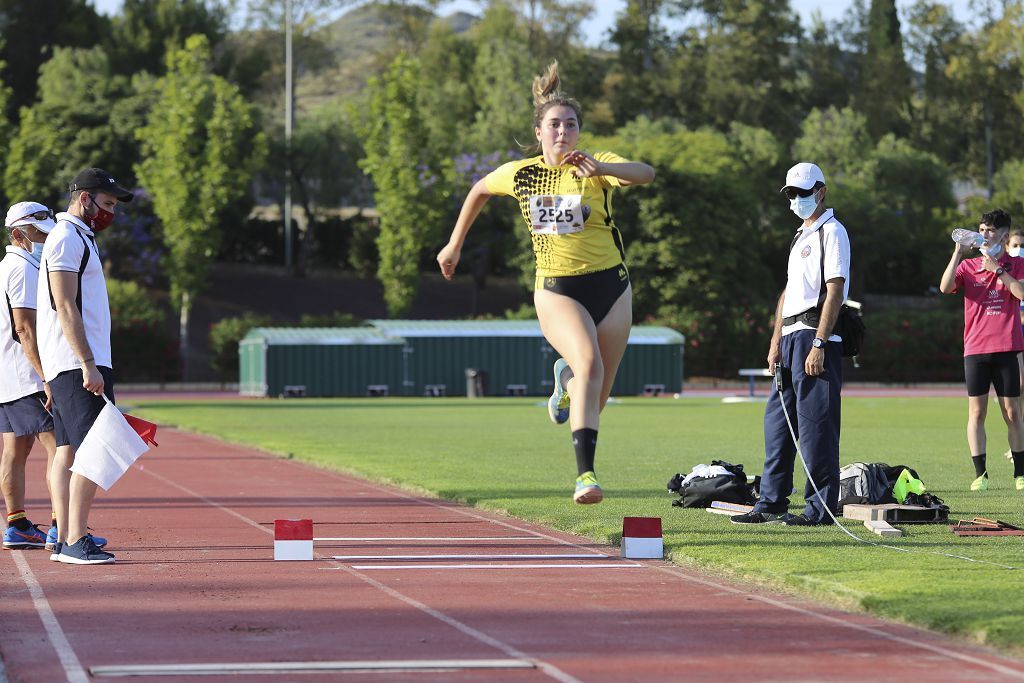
751, 374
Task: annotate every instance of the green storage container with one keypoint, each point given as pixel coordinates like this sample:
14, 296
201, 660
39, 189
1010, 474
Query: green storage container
516, 358
356, 361
437, 358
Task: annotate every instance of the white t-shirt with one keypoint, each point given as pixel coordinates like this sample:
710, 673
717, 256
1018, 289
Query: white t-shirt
71, 248
803, 284
19, 271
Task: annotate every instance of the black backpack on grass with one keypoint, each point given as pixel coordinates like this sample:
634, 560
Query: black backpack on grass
869, 483
700, 492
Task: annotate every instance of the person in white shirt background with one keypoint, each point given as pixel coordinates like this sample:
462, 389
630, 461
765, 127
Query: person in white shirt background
24, 398
74, 344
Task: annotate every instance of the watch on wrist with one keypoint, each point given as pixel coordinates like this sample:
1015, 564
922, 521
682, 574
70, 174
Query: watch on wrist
818, 343
999, 271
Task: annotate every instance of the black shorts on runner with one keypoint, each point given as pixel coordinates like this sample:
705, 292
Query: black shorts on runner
75, 409
992, 369
25, 416
596, 292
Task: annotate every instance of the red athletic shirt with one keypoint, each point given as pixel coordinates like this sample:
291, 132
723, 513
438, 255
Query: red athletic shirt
991, 312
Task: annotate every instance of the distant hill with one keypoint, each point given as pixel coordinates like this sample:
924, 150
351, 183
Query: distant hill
361, 43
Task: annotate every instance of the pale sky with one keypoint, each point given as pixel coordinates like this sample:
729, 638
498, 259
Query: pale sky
598, 26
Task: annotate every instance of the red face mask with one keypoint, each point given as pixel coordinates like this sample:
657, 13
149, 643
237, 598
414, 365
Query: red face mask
102, 219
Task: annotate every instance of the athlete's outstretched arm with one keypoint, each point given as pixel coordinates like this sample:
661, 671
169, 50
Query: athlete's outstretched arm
628, 173
448, 257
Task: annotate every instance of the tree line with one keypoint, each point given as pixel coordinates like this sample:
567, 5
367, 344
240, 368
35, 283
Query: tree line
721, 96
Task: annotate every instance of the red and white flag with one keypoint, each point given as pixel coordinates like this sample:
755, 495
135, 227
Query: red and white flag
110, 447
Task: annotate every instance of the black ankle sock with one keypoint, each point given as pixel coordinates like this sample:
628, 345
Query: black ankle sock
979, 464
21, 524
585, 442
1018, 463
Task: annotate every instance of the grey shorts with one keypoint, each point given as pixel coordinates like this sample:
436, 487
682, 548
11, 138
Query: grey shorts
26, 415
75, 409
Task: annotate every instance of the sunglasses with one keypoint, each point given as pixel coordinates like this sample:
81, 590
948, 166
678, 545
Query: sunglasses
38, 215
794, 192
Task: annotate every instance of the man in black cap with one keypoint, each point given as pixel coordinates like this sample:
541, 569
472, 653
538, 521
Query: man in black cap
74, 346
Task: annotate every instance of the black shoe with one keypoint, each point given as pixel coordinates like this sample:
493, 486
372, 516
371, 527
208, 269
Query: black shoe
759, 518
804, 520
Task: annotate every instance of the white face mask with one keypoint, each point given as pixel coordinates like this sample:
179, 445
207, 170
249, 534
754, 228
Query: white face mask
995, 251
1013, 251
804, 207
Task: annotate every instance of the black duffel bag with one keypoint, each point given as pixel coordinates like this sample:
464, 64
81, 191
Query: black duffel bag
700, 492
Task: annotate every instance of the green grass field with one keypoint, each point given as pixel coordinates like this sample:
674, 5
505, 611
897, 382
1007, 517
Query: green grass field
504, 455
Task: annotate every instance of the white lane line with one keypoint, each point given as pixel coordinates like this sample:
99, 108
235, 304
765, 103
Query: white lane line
563, 556
942, 650
370, 666
450, 539
549, 669
373, 567
65, 653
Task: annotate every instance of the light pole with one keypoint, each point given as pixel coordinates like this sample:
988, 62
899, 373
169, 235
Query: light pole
288, 134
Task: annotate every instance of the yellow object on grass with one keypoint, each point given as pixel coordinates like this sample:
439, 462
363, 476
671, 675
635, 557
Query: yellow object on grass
905, 483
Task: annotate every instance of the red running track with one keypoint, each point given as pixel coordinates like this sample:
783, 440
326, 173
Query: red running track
194, 584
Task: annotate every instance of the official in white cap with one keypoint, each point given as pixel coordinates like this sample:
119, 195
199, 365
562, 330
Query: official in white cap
809, 359
24, 398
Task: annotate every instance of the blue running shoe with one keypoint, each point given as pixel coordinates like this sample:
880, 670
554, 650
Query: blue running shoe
98, 540
558, 404
55, 552
84, 551
33, 537
51, 538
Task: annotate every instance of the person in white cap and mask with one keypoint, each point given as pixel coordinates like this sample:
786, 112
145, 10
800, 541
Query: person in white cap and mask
24, 398
809, 358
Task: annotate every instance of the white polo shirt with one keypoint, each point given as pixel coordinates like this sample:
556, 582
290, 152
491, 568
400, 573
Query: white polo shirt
19, 271
71, 248
804, 284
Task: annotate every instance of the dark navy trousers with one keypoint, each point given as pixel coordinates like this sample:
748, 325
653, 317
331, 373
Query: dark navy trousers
813, 404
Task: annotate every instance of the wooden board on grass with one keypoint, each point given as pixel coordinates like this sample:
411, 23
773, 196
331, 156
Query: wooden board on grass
894, 513
882, 528
720, 507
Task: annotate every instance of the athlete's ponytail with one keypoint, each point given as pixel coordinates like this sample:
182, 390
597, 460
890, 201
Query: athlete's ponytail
547, 93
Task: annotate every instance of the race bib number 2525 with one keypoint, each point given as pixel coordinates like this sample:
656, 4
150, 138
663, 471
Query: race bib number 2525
556, 214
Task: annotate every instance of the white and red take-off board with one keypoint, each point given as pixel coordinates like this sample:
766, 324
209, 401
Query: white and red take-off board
641, 538
293, 539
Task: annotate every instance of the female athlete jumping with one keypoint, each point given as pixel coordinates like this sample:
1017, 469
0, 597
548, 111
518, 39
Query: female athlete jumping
582, 292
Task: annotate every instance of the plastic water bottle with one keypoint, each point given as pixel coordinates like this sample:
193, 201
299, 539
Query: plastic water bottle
968, 238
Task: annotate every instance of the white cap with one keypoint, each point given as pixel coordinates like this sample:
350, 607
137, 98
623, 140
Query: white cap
803, 176
21, 214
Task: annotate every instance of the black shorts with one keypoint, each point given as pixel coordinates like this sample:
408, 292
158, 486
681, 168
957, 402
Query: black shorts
75, 409
996, 369
596, 292
26, 415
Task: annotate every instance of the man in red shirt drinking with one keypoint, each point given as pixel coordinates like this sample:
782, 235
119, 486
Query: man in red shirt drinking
992, 338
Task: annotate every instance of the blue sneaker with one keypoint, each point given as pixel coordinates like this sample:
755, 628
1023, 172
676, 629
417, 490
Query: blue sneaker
558, 404
55, 551
33, 537
51, 539
84, 551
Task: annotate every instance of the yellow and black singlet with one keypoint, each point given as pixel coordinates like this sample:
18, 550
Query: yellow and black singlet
569, 218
